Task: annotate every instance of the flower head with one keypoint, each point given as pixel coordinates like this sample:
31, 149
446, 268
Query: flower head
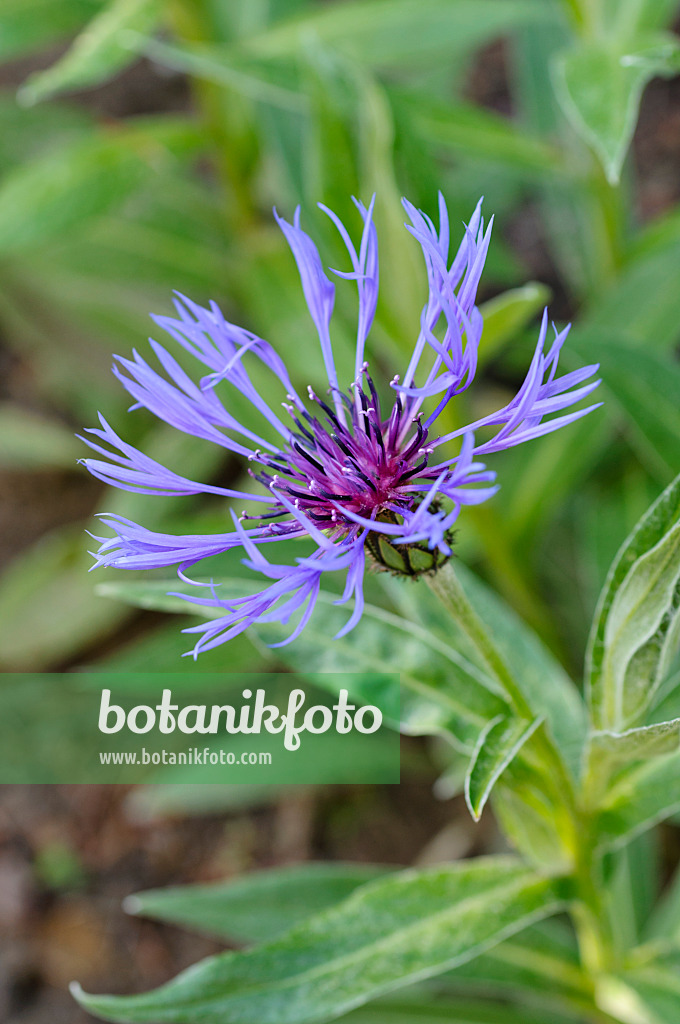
355, 477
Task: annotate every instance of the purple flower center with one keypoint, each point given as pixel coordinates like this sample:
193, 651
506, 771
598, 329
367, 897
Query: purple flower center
365, 465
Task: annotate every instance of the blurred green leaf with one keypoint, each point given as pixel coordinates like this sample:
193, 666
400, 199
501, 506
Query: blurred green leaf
650, 992
507, 314
599, 85
273, 82
645, 386
31, 24
398, 33
663, 925
64, 190
24, 134
635, 627
47, 611
30, 441
467, 129
643, 303
528, 819
628, 16
97, 53
331, 154
254, 907
47, 608
499, 743
632, 888
389, 933
460, 1011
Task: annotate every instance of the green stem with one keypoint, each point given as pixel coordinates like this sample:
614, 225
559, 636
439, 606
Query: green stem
446, 586
592, 920
590, 913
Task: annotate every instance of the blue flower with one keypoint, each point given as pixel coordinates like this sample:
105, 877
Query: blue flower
361, 482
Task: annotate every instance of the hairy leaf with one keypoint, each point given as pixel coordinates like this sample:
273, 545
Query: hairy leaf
258, 906
499, 743
608, 749
641, 798
634, 632
391, 932
599, 85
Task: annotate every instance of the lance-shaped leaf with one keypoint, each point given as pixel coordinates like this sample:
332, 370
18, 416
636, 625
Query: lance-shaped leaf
388, 934
258, 906
399, 33
98, 52
635, 630
498, 744
599, 85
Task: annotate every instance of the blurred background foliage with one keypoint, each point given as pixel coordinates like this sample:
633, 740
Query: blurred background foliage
142, 146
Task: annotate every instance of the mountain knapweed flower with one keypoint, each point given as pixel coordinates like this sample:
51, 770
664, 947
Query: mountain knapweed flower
352, 478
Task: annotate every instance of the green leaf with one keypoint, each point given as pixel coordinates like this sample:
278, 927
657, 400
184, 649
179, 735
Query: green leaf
540, 965
645, 385
499, 743
390, 933
31, 441
663, 925
97, 53
462, 1011
528, 819
507, 314
649, 994
614, 748
635, 629
47, 611
599, 85
271, 82
632, 888
635, 15
61, 191
31, 24
467, 129
641, 798
258, 906
399, 33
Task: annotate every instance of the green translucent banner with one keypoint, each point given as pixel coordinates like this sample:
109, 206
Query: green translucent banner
186, 728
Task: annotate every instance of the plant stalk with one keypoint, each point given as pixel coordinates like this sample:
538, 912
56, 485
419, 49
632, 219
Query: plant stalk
590, 916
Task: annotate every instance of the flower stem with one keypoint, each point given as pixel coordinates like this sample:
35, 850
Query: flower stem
589, 911
446, 585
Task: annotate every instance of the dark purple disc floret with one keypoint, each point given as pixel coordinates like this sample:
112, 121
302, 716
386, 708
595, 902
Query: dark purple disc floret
354, 478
